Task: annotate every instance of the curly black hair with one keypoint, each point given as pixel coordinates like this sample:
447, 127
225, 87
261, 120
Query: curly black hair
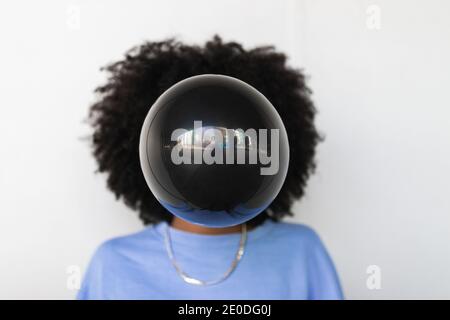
147, 70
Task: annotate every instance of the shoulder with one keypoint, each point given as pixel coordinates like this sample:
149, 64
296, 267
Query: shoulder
304, 244
117, 258
127, 244
295, 232
297, 240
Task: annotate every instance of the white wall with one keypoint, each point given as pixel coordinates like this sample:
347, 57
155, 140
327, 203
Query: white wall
380, 195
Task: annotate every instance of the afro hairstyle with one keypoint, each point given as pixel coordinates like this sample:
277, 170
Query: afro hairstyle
134, 83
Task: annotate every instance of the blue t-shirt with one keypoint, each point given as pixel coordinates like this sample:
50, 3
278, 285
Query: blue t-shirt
281, 261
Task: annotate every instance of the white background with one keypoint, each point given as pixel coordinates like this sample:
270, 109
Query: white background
381, 192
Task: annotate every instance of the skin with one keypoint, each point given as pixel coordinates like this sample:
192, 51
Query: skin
180, 224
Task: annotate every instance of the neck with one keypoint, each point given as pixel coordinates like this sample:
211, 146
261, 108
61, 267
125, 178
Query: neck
180, 224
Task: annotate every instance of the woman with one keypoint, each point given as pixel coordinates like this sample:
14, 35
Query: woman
172, 258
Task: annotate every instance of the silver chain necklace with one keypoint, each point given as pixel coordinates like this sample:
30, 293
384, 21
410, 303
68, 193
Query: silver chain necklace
193, 281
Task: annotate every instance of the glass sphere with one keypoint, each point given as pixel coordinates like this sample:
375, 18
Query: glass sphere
214, 151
